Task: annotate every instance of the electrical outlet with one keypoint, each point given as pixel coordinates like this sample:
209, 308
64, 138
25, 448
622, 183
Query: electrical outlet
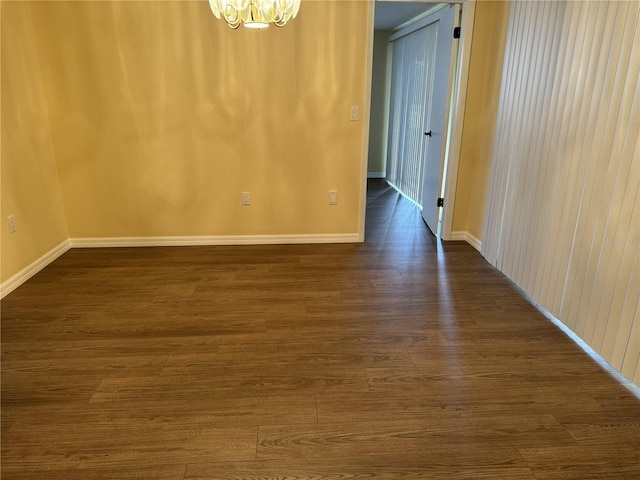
333, 197
246, 198
12, 224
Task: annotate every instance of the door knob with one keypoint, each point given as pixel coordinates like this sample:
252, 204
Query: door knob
428, 134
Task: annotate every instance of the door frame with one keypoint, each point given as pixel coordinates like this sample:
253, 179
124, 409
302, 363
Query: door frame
456, 117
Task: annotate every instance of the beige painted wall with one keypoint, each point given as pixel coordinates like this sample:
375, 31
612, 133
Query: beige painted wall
379, 102
483, 93
30, 186
161, 116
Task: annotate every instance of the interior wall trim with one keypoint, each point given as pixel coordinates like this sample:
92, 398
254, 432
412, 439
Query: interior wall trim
34, 267
29, 271
467, 237
211, 240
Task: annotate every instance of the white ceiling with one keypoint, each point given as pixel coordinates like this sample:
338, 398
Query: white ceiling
391, 14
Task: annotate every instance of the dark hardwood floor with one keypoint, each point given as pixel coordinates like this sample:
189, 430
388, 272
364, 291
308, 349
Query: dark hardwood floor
394, 359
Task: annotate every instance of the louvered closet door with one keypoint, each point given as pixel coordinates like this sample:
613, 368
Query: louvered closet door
411, 92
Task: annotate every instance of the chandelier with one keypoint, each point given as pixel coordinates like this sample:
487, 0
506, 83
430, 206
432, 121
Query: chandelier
255, 13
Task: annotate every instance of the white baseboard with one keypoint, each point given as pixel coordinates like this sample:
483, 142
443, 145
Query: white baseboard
212, 240
457, 236
30, 270
376, 175
467, 237
474, 242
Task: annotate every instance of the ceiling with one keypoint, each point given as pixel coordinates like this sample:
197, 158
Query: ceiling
391, 14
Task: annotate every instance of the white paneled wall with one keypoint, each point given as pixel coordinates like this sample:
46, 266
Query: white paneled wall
564, 205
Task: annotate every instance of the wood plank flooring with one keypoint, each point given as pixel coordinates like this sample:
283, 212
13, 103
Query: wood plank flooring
394, 359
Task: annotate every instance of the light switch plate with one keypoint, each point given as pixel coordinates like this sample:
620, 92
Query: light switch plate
12, 224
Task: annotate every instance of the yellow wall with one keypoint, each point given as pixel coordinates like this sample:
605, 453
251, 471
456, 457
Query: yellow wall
30, 186
158, 116
483, 92
161, 116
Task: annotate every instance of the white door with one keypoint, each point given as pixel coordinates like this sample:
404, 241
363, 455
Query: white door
420, 94
437, 125
412, 77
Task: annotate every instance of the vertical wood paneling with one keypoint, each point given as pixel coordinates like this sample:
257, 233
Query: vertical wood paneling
567, 155
519, 174
543, 181
542, 65
582, 144
558, 173
581, 276
564, 213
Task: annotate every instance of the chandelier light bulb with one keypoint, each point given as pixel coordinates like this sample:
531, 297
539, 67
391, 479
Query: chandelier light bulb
255, 13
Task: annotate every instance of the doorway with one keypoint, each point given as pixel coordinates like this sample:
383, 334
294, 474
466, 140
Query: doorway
412, 82
432, 133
